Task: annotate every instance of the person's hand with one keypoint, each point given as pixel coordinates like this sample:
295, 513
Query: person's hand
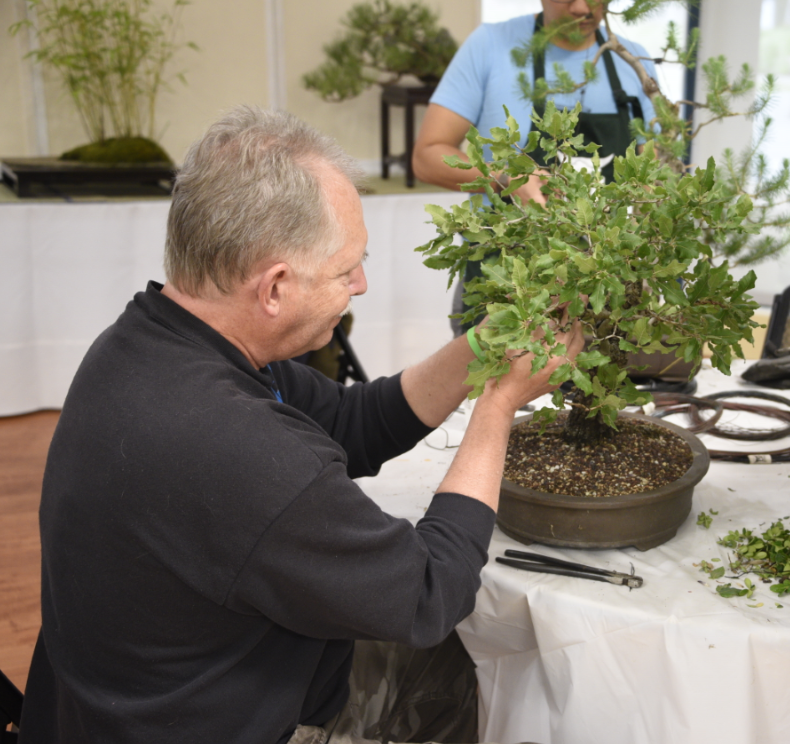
531, 190
519, 386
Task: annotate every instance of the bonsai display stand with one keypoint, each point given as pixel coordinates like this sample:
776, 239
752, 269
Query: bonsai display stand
409, 97
50, 177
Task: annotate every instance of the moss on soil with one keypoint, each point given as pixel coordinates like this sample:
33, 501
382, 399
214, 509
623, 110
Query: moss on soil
115, 151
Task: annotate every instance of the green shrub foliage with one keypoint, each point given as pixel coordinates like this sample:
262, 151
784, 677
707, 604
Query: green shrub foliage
629, 258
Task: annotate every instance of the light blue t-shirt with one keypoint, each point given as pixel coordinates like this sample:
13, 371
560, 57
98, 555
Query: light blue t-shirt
482, 77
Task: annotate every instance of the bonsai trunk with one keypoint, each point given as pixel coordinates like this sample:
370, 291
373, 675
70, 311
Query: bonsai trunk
581, 428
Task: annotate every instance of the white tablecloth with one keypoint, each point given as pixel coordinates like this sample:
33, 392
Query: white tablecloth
67, 271
567, 661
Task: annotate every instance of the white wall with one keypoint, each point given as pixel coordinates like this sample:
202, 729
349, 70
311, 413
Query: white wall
730, 28
232, 66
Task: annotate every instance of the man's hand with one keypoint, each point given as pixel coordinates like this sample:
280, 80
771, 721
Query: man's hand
477, 468
519, 386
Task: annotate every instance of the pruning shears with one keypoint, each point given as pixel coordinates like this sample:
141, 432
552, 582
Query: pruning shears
545, 564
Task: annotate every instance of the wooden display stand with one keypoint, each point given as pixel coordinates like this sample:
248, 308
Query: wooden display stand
409, 97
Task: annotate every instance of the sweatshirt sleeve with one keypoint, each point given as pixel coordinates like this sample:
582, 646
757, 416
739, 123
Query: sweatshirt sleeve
371, 421
335, 566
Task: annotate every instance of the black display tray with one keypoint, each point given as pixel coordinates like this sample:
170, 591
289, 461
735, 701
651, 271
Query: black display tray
50, 177
777, 325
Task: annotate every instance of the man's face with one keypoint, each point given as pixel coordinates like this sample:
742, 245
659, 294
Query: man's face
328, 287
586, 13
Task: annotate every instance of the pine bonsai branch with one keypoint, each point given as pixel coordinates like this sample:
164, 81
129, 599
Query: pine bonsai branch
384, 42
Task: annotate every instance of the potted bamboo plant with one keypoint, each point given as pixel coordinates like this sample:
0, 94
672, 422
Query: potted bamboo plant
112, 58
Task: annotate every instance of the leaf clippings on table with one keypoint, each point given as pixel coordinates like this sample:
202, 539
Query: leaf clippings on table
728, 590
703, 520
765, 555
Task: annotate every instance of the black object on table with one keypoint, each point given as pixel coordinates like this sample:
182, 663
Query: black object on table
409, 97
777, 326
772, 369
545, 564
50, 177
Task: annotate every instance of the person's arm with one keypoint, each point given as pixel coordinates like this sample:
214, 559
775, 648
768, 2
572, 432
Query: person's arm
440, 135
435, 387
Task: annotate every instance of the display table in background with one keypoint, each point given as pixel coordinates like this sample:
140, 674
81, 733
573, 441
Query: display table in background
48, 177
568, 661
67, 271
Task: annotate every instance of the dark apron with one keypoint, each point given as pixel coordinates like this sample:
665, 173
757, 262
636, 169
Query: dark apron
611, 131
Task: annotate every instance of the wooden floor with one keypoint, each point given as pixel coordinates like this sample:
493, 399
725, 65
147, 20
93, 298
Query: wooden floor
24, 441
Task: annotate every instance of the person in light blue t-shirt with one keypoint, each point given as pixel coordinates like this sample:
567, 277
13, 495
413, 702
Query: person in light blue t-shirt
482, 78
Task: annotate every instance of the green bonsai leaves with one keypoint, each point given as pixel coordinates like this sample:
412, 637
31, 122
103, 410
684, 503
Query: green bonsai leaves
627, 258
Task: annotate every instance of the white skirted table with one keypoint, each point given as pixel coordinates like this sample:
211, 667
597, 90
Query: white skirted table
566, 661
67, 271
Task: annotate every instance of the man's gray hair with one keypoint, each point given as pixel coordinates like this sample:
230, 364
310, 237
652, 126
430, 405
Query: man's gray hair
248, 190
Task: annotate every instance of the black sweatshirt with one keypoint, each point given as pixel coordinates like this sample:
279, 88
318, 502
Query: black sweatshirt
208, 559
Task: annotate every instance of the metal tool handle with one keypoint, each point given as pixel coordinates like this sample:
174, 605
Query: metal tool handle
558, 570
557, 562
632, 582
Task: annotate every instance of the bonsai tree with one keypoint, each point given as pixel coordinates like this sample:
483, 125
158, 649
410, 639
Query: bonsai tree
629, 259
111, 56
673, 134
384, 41
643, 262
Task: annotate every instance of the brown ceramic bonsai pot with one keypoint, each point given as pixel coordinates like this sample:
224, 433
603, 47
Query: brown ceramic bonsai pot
643, 520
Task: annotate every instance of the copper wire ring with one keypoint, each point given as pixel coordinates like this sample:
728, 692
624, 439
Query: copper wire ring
669, 403
748, 436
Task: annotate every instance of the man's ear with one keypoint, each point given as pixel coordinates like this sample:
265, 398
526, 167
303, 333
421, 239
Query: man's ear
273, 287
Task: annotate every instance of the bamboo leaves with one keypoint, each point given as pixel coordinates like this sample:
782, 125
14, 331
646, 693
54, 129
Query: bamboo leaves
111, 56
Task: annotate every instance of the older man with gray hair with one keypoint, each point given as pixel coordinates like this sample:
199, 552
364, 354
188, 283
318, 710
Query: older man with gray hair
208, 560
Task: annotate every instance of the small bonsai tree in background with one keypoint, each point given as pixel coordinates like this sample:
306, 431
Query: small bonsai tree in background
643, 262
384, 42
111, 56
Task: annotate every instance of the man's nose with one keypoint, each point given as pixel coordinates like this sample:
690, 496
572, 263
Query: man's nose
359, 282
